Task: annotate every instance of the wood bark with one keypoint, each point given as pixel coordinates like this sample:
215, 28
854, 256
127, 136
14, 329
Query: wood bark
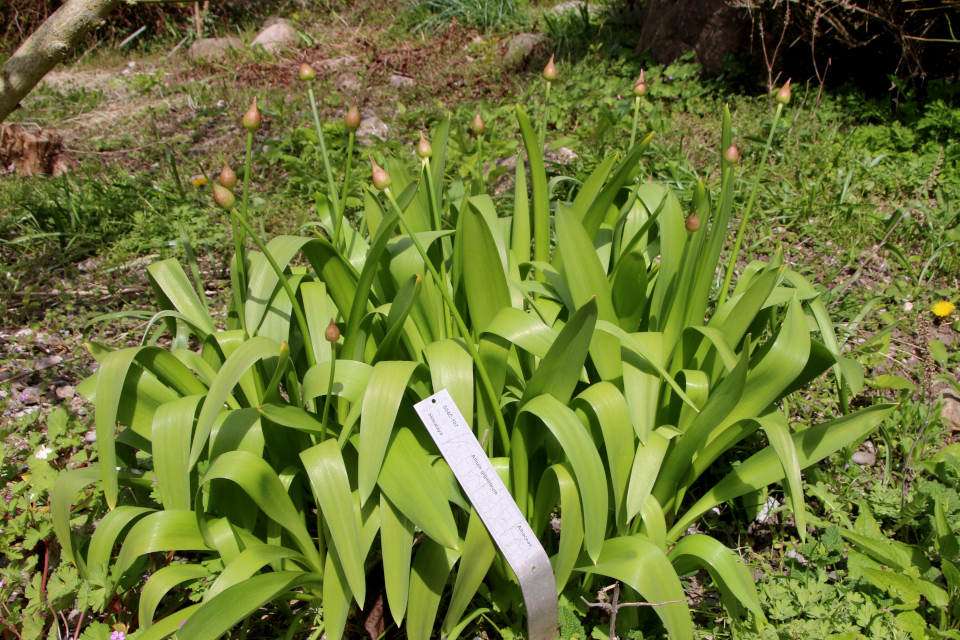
48, 45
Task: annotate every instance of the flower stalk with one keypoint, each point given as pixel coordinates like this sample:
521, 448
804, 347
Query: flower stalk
731, 265
332, 335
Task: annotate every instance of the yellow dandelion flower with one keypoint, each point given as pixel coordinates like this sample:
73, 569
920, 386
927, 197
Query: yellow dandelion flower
943, 308
199, 182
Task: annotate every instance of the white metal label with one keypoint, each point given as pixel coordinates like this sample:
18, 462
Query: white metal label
496, 507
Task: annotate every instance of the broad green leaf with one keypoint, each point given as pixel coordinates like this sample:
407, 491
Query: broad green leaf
220, 614
160, 531
399, 312
236, 365
479, 552
604, 406
628, 292
249, 562
331, 489
396, 544
560, 368
172, 435
65, 490
174, 291
390, 379
109, 530
646, 467
763, 468
700, 551
583, 456
259, 481
409, 482
160, 583
349, 380
556, 484
431, 571
451, 368
640, 564
485, 283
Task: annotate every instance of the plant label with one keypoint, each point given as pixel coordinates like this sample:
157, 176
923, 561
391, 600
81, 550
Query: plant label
496, 507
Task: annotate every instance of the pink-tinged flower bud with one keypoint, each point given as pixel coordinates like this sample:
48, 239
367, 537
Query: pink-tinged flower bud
783, 96
223, 197
381, 179
640, 88
332, 334
550, 71
478, 126
228, 178
692, 223
307, 73
424, 150
352, 119
251, 119
731, 155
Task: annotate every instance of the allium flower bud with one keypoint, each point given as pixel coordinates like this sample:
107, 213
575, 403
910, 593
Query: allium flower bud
478, 126
228, 178
332, 334
731, 155
352, 119
640, 88
424, 150
223, 197
550, 71
692, 223
251, 119
381, 179
783, 96
307, 73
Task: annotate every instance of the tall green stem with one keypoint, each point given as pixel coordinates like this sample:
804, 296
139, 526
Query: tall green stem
435, 212
326, 402
636, 116
546, 112
298, 312
331, 186
461, 325
746, 213
343, 201
480, 161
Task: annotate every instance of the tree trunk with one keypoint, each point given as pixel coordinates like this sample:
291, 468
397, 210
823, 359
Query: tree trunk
48, 45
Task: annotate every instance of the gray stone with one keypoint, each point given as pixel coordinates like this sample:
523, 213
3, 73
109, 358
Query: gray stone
951, 410
401, 82
347, 82
563, 155
276, 37
65, 392
336, 63
269, 21
522, 45
577, 7
213, 48
30, 395
371, 126
864, 458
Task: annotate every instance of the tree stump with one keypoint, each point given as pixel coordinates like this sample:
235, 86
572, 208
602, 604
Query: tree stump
31, 152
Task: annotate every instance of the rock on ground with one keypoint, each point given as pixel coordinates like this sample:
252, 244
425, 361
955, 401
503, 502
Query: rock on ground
276, 37
951, 411
521, 46
336, 63
401, 82
371, 126
347, 82
213, 48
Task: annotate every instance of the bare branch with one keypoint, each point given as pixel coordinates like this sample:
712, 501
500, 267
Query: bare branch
48, 45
